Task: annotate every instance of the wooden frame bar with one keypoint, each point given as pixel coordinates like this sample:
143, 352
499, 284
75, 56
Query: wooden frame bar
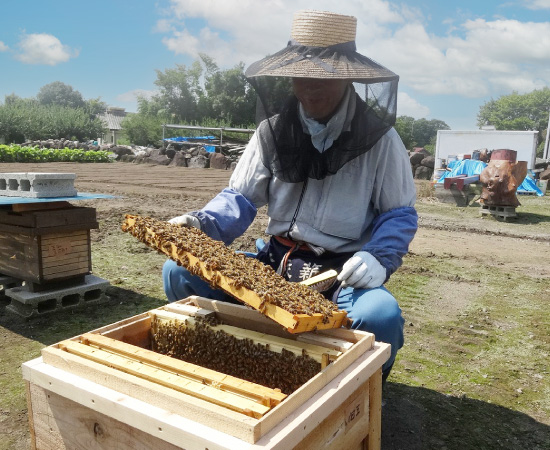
294, 323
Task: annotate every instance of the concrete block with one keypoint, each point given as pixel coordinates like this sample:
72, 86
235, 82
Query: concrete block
7, 282
37, 185
30, 304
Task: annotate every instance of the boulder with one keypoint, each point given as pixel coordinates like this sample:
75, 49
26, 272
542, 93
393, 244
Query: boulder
203, 152
179, 160
121, 150
428, 161
160, 160
198, 162
416, 158
170, 152
218, 161
545, 175
423, 173
128, 158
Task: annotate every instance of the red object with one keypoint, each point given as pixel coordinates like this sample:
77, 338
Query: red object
459, 181
504, 155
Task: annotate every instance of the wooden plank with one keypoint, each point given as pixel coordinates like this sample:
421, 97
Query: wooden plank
274, 343
83, 428
64, 274
236, 315
50, 218
73, 236
149, 394
24, 207
30, 414
289, 428
74, 257
345, 428
138, 414
165, 378
135, 332
256, 392
374, 439
19, 256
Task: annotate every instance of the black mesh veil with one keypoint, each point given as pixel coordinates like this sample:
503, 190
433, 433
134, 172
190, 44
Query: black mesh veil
287, 149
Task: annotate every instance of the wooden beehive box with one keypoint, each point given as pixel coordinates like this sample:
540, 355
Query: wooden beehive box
75, 399
42, 246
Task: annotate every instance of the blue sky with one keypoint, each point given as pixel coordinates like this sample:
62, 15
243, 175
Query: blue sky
452, 57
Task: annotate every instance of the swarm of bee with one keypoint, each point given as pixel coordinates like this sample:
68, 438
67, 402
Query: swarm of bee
241, 271
242, 358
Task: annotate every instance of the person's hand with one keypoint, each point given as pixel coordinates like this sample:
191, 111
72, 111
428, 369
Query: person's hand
187, 220
362, 271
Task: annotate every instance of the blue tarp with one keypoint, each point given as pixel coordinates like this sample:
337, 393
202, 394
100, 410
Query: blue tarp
471, 167
5, 200
209, 148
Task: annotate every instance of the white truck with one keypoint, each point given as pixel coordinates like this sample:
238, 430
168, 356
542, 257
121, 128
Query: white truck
455, 143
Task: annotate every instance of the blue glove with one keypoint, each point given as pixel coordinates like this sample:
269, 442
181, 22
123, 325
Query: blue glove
362, 271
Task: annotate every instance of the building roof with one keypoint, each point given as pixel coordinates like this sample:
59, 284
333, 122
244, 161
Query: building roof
113, 118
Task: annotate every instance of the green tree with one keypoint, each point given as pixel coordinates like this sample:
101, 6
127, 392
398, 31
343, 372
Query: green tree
418, 133
180, 90
229, 97
141, 129
518, 112
425, 131
404, 125
26, 119
58, 93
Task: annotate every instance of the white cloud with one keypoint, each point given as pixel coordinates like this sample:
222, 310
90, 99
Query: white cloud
3, 47
475, 59
44, 49
537, 4
488, 58
132, 96
408, 106
248, 30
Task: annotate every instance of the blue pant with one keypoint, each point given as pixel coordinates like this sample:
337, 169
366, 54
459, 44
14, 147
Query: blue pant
372, 310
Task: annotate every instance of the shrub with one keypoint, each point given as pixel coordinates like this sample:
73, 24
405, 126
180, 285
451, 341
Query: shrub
16, 153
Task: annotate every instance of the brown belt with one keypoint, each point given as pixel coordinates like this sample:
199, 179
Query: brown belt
292, 244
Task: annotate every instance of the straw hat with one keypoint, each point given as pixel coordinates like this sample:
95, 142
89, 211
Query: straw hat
322, 45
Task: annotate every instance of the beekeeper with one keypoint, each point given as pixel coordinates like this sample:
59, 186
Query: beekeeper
332, 171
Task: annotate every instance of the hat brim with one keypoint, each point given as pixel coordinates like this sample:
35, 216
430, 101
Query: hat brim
299, 62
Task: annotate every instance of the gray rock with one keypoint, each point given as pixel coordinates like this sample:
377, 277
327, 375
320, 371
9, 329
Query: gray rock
218, 161
428, 161
416, 158
160, 160
423, 173
203, 152
179, 160
198, 162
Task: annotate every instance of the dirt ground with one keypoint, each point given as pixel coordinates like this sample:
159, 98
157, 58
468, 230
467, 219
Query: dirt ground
164, 192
